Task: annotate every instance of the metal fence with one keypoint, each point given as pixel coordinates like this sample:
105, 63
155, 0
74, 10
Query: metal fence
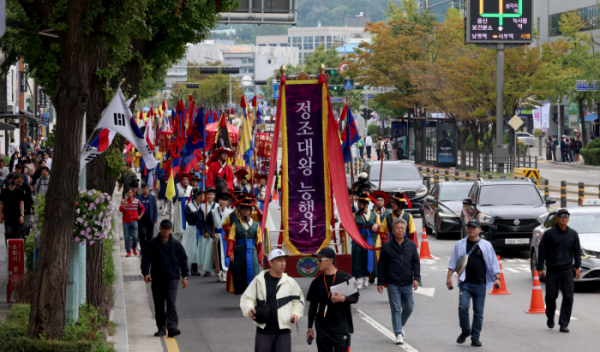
489, 163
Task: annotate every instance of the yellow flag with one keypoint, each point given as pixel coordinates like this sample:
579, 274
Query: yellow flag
244, 144
170, 193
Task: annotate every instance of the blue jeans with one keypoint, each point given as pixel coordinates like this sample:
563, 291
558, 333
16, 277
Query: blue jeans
130, 233
477, 292
402, 305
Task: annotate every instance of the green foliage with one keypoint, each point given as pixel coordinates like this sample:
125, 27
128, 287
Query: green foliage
375, 132
50, 140
83, 336
591, 153
29, 246
115, 163
6, 159
108, 265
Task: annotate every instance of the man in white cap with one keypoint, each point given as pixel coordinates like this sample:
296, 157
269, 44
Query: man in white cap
275, 302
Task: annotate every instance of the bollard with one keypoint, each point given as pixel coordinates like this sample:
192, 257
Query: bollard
468, 176
563, 194
347, 167
547, 188
447, 176
581, 192
428, 172
457, 178
436, 177
421, 171
490, 177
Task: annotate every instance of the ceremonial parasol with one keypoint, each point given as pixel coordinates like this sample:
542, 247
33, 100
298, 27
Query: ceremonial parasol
211, 132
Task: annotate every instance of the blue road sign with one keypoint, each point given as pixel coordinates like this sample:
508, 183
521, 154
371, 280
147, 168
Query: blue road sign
587, 87
348, 85
337, 99
275, 91
45, 116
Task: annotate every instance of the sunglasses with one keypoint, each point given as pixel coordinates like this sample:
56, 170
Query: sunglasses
564, 216
321, 260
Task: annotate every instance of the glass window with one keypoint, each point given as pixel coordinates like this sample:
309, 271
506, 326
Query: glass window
300, 62
262, 44
455, 192
394, 172
585, 223
329, 39
250, 70
272, 44
510, 195
244, 61
328, 45
289, 39
310, 46
283, 45
306, 39
250, 61
305, 46
550, 221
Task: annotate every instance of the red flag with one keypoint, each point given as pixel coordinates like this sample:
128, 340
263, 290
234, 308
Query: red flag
343, 115
254, 101
232, 112
243, 102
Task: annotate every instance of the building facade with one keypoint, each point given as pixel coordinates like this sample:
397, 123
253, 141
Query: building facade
438, 8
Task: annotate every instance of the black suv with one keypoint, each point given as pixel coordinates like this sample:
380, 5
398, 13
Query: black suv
508, 211
398, 176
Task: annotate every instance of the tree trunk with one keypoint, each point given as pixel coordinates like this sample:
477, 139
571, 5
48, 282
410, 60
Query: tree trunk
475, 134
80, 58
582, 119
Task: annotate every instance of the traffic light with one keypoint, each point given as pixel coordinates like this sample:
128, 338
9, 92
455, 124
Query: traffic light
331, 71
213, 70
333, 87
260, 83
192, 85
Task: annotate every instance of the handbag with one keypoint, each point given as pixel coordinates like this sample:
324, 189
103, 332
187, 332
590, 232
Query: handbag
462, 263
263, 308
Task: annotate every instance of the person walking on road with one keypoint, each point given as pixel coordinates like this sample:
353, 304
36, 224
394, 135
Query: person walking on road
399, 268
329, 311
27, 208
126, 178
3, 172
132, 210
274, 289
577, 146
149, 218
164, 262
560, 252
12, 209
364, 261
368, 145
361, 147
482, 271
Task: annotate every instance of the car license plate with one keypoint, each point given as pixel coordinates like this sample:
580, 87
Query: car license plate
516, 241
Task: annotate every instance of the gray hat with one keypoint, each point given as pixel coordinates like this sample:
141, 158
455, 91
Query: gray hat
474, 223
166, 224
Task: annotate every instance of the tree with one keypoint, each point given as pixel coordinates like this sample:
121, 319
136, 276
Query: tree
97, 44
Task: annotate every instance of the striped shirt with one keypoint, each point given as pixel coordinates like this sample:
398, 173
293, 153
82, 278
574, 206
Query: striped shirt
130, 208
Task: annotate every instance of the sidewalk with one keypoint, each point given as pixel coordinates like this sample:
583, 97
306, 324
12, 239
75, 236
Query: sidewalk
4, 307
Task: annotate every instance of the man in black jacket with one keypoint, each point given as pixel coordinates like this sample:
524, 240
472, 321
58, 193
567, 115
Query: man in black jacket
162, 262
559, 249
399, 267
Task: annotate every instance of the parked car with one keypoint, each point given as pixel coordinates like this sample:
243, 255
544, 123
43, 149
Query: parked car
526, 138
398, 176
584, 220
442, 207
508, 210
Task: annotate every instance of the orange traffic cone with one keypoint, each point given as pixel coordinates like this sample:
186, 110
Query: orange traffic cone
502, 290
537, 300
425, 247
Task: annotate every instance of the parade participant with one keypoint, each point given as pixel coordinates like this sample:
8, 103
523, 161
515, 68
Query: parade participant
382, 199
273, 288
196, 228
161, 175
183, 191
216, 218
364, 261
242, 177
400, 269
163, 263
329, 311
195, 181
132, 210
244, 247
353, 203
150, 217
260, 191
27, 207
234, 216
220, 169
206, 255
399, 201
482, 272
560, 252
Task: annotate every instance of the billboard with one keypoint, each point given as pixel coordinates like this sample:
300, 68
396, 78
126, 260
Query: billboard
262, 12
400, 134
499, 21
446, 144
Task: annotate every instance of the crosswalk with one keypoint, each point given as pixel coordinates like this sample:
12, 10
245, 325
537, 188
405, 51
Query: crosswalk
509, 265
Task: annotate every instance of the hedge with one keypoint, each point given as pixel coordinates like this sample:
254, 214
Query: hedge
591, 153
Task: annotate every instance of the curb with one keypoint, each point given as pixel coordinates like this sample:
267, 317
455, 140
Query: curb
570, 166
118, 315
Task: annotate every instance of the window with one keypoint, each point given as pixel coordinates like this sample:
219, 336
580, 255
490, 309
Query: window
289, 40
262, 44
328, 45
243, 70
308, 39
328, 39
272, 44
244, 61
510, 195
269, 61
250, 70
589, 18
250, 61
284, 45
300, 62
456, 192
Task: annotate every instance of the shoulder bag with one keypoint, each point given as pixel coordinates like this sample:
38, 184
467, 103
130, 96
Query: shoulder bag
462, 263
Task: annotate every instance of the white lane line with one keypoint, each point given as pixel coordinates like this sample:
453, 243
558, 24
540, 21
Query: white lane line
385, 331
558, 315
512, 270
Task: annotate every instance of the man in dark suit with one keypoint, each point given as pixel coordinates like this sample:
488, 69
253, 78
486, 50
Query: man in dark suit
147, 222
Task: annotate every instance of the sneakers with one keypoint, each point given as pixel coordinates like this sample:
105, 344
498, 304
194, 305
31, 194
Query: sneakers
476, 343
463, 337
160, 333
207, 274
135, 252
128, 254
399, 339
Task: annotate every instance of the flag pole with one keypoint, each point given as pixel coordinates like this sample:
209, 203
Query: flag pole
381, 168
351, 156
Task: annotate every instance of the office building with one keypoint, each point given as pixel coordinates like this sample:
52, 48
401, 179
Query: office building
438, 8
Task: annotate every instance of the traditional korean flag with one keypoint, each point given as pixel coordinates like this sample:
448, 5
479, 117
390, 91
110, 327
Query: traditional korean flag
96, 147
117, 117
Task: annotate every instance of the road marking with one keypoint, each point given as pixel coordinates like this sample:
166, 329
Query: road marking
385, 331
171, 344
512, 270
426, 291
558, 314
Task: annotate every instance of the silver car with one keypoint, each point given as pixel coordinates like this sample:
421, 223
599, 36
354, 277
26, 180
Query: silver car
526, 138
584, 220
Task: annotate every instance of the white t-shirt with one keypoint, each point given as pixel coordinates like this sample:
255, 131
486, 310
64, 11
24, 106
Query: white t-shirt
12, 148
49, 163
368, 141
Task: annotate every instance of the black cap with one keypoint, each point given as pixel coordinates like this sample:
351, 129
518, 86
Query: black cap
326, 252
474, 223
562, 211
144, 185
133, 184
166, 224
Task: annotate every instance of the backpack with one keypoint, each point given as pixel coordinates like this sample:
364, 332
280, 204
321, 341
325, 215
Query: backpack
361, 143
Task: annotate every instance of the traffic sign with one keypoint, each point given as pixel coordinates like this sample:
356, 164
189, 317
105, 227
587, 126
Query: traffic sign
246, 80
587, 86
500, 21
343, 67
348, 85
337, 99
515, 122
260, 96
275, 91
45, 116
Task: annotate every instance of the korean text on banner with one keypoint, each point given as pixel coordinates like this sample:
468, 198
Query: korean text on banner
546, 115
306, 201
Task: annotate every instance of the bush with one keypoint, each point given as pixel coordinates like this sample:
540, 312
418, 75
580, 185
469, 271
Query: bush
83, 336
591, 153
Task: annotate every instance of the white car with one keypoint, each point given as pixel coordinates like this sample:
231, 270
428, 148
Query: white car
526, 138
